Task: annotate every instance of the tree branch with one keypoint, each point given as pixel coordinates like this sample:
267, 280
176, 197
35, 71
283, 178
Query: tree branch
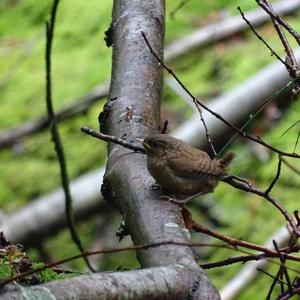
136, 85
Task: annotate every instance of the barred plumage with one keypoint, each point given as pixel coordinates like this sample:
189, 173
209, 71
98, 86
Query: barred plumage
181, 169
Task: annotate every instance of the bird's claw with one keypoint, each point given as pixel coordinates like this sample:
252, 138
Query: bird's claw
155, 187
171, 199
165, 198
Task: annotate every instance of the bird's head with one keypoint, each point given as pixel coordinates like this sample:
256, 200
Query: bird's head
158, 144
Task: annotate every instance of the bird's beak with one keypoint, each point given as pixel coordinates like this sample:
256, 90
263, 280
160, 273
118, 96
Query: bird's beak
145, 145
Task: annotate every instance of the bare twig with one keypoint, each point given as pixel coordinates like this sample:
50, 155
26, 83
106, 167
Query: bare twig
294, 124
240, 243
278, 276
233, 260
194, 99
113, 139
253, 116
55, 133
249, 271
289, 295
275, 16
209, 140
180, 5
268, 274
225, 28
292, 65
297, 140
282, 267
238, 130
245, 187
268, 190
273, 52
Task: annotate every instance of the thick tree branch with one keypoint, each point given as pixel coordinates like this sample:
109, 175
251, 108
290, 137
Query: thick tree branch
166, 283
136, 85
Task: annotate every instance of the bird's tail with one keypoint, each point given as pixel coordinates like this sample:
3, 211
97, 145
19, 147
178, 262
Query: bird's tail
226, 159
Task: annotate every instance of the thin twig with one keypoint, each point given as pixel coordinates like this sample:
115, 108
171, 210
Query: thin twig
275, 16
296, 214
233, 260
289, 295
292, 65
238, 130
282, 267
55, 133
178, 7
267, 273
247, 188
278, 276
209, 140
273, 52
113, 139
196, 102
272, 184
238, 243
294, 124
297, 140
253, 116
164, 129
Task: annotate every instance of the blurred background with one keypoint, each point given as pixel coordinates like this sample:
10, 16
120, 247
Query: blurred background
80, 63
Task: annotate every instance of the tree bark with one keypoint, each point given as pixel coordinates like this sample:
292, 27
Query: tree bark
134, 111
166, 283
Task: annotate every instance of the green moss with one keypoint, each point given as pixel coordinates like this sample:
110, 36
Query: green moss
5, 270
50, 275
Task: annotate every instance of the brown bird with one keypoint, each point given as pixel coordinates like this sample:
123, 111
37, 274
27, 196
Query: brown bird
182, 170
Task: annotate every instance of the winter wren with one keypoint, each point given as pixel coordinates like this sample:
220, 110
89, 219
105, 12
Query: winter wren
182, 170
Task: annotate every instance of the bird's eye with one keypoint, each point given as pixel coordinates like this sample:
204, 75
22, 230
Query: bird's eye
154, 144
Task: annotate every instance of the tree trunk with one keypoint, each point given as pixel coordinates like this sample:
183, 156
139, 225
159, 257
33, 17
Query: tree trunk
133, 111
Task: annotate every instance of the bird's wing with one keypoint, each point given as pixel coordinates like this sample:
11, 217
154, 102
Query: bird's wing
194, 163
